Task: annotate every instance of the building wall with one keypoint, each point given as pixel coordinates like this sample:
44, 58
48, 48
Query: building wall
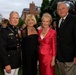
30, 11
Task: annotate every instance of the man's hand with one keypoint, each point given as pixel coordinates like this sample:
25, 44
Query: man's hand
8, 69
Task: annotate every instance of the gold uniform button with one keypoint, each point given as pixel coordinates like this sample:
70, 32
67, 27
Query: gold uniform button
11, 37
18, 44
8, 55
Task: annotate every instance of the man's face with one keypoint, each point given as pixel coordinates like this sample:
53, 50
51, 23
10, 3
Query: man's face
14, 19
62, 10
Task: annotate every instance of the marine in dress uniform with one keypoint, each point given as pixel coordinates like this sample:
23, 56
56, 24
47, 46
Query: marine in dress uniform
10, 47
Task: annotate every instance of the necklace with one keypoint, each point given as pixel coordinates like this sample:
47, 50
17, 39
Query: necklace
31, 29
45, 31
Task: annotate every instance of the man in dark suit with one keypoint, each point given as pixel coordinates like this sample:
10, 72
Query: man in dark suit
10, 55
66, 40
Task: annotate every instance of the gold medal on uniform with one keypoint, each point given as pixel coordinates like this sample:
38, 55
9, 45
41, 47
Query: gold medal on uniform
16, 35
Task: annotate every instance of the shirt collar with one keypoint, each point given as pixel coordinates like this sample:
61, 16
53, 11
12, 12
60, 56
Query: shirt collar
65, 16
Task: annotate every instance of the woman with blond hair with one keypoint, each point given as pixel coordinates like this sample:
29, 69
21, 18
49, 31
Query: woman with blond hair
29, 46
47, 46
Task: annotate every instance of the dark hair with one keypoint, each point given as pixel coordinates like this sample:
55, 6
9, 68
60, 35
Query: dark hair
5, 21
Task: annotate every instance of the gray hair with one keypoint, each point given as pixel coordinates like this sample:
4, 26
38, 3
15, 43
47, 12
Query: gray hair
67, 5
13, 12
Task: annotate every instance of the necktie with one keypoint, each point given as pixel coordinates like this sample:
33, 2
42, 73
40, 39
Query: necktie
61, 22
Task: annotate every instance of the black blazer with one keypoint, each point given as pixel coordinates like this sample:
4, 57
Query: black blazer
66, 39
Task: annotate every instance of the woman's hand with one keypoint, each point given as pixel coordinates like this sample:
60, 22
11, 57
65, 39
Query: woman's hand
53, 61
75, 60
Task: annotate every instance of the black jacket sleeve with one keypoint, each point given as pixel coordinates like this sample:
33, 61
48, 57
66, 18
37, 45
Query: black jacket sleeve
3, 43
74, 35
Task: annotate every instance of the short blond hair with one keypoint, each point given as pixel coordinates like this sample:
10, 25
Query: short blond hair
47, 15
30, 16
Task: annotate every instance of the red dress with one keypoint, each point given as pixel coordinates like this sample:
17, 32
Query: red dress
47, 49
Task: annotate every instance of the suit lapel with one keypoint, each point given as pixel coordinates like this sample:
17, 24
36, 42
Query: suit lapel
65, 23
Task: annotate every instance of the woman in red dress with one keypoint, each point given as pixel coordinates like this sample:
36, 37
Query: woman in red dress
47, 46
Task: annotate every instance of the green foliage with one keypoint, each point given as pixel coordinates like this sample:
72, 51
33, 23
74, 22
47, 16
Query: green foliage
1, 71
21, 22
50, 7
38, 20
44, 4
